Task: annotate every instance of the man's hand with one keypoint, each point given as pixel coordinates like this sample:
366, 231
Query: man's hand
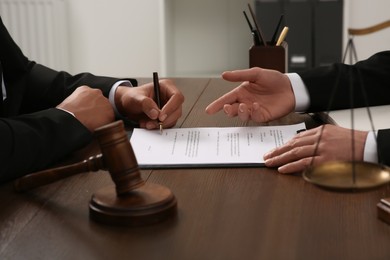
90, 107
138, 104
263, 96
335, 144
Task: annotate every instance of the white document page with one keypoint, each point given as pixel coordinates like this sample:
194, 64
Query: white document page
208, 146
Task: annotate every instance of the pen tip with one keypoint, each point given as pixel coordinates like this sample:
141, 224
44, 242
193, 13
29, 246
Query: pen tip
161, 128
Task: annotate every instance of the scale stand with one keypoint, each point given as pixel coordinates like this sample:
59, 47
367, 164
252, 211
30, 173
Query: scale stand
351, 175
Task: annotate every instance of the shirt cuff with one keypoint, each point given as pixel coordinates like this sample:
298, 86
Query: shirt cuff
370, 149
302, 99
111, 95
67, 111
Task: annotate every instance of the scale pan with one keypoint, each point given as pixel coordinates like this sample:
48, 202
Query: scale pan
338, 175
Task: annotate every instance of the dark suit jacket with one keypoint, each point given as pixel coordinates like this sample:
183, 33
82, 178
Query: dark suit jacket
33, 134
374, 73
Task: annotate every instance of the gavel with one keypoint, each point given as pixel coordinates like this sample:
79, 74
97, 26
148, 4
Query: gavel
37, 179
130, 201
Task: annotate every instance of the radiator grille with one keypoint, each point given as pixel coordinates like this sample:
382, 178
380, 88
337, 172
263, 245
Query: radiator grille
40, 29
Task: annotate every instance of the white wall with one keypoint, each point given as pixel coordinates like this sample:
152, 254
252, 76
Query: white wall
182, 37
361, 14
174, 37
185, 37
116, 37
207, 37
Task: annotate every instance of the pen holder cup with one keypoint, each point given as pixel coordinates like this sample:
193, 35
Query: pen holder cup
269, 57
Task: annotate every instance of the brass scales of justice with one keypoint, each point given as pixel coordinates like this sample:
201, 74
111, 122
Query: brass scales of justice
351, 175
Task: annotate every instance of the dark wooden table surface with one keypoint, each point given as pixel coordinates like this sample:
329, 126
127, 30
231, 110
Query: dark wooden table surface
225, 213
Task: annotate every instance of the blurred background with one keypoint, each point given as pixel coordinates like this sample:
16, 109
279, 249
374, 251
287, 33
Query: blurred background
181, 38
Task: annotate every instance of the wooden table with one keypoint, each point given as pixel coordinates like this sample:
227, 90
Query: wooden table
225, 213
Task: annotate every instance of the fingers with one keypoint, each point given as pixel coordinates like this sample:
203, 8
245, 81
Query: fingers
242, 75
292, 155
89, 106
235, 98
237, 94
173, 99
231, 97
244, 112
295, 155
173, 108
299, 165
170, 121
149, 107
302, 139
231, 110
218, 104
171, 111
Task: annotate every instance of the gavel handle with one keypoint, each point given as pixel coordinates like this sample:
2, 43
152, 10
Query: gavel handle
34, 180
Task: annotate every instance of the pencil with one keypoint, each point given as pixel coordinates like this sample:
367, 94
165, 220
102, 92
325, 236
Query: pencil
156, 86
282, 36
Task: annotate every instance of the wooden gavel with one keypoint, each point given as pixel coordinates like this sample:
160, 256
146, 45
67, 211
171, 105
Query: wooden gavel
37, 179
131, 201
118, 158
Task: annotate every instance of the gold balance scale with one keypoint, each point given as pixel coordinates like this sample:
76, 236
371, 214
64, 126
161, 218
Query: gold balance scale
351, 176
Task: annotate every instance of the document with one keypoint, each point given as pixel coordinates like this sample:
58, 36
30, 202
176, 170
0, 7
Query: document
208, 146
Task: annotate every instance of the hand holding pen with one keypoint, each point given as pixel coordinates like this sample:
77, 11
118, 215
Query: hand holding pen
138, 104
169, 100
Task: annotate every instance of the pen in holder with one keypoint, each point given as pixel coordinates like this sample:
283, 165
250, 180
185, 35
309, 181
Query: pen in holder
269, 57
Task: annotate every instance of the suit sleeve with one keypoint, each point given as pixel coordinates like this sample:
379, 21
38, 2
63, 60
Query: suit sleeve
384, 146
35, 135
330, 87
32, 142
47, 88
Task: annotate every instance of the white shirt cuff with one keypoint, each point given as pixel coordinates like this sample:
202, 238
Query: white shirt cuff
370, 149
302, 99
111, 95
66, 111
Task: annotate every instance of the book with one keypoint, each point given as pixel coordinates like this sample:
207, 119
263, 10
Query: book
208, 146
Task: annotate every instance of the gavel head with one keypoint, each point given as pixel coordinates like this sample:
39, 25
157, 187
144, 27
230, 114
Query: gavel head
119, 157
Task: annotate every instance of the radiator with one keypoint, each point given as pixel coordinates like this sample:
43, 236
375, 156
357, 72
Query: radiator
39, 27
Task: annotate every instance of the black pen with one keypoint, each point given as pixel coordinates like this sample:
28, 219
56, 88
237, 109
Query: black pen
255, 35
258, 29
273, 41
156, 85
